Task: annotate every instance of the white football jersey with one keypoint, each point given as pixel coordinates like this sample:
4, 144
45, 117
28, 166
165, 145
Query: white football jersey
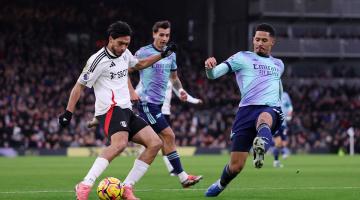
108, 75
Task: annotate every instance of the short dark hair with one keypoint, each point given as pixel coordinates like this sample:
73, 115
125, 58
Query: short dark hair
161, 24
266, 28
119, 29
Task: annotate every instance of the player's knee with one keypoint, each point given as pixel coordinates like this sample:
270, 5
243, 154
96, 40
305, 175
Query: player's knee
119, 145
264, 118
156, 144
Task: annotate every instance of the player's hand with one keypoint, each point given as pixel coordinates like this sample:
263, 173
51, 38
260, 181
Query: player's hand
183, 94
65, 118
210, 63
93, 123
134, 97
200, 102
169, 50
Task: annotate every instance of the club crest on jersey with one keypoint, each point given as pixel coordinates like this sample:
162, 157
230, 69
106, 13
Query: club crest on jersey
86, 76
123, 124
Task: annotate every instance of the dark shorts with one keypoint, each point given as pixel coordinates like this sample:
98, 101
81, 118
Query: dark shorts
167, 117
244, 127
282, 133
152, 114
117, 119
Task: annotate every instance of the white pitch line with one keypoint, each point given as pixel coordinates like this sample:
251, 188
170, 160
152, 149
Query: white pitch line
196, 189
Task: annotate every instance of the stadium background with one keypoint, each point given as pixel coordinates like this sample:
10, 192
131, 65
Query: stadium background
45, 44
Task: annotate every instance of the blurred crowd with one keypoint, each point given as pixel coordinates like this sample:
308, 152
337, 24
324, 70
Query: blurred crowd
43, 48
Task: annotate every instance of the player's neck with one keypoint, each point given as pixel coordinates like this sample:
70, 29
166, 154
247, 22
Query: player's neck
156, 47
108, 50
263, 55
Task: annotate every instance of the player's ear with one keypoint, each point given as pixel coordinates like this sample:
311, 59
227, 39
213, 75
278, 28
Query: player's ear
273, 41
110, 39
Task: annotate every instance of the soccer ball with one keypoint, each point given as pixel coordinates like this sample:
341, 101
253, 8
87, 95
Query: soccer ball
110, 189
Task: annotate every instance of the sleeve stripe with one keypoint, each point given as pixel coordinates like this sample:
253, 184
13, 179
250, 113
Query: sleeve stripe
173, 70
229, 66
96, 61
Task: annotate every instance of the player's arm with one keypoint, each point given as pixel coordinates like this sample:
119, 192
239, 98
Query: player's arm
87, 78
65, 118
148, 61
74, 96
189, 99
178, 86
214, 71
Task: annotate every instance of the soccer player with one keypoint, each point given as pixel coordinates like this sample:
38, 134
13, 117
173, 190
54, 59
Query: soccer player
259, 116
280, 138
107, 72
153, 83
165, 110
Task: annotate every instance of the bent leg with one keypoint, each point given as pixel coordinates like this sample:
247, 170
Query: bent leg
151, 141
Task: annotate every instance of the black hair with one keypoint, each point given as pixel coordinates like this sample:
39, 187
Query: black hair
119, 29
161, 24
266, 28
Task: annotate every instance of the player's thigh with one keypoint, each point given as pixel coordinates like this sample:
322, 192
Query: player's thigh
115, 120
273, 116
153, 115
119, 139
242, 141
147, 137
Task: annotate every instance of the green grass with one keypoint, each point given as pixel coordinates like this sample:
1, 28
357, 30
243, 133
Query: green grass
320, 177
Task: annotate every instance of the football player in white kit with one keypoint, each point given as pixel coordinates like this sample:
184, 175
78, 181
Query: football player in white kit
107, 72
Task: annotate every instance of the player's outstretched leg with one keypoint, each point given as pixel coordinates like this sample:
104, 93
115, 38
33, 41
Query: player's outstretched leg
148, 138
230, 171
118, 144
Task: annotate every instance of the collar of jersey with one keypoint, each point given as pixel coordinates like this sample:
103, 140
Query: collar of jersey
108, 53
155, 48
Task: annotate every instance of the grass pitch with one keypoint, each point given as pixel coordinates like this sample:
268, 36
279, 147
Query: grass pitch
303, 177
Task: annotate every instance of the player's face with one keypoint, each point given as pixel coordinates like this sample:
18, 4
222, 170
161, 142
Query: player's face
263, 42
119, 45
161, 37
